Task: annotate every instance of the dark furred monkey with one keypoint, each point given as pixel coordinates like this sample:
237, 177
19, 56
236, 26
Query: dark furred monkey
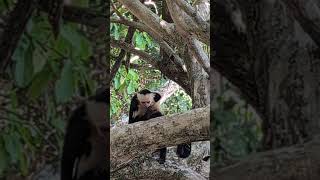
86, 139
145, 105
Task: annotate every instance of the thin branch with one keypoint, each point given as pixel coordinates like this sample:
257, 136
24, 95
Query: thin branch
129, 48
137, 25
122, 54
11, 35
196, 49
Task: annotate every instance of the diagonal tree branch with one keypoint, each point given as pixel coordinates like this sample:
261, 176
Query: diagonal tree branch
14, 29
176, 74
231, 58
193, 14
159, 26
196, 49
186, 25
166, 47
307, 14
130, 48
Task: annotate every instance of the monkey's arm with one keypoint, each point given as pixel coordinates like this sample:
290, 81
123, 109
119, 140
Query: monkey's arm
133, 108
75, 144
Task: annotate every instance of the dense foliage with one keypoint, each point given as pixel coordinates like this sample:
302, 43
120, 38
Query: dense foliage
237, 127
46, 76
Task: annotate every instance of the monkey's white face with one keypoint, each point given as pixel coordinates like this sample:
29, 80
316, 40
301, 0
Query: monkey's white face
146, 100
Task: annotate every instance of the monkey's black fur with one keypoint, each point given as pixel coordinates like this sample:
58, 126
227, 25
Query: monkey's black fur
78, 146
151, 112
184, 150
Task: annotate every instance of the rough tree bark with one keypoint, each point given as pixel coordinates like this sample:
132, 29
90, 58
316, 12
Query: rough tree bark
274, 61
298, 162
146, 137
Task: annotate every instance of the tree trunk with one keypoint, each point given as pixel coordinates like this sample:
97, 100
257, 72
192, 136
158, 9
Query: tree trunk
269, 54
286, 74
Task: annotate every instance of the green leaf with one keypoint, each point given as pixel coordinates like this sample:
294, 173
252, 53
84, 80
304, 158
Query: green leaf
4, 162
65, 85
24, 66
13, 146
25, 134
40, 83
115, 31
72, 36
58, 124
131, 89
86, 48
116, 82
23, 164
39, 60
140, 42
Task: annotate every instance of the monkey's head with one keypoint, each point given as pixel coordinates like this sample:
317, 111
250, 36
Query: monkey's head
97, 110
147, 98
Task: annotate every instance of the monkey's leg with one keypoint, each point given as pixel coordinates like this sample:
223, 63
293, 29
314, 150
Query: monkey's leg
163, 153
184, 150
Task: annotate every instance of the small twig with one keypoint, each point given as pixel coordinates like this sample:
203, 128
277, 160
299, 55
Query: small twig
116, 10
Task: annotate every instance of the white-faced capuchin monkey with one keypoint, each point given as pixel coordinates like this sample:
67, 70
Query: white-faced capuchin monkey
145, 105
86, 140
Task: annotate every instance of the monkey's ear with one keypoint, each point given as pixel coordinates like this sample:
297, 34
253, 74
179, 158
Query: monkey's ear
101, 96
157, 96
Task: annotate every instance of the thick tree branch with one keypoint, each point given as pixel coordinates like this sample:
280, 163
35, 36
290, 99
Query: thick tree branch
168, 90
137, 25
232, 58
307, 14
129, 48
140, 169
196, 49
297, 162
14, 29
161, 27
186, 25
174, 73
193, 14
139, 138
